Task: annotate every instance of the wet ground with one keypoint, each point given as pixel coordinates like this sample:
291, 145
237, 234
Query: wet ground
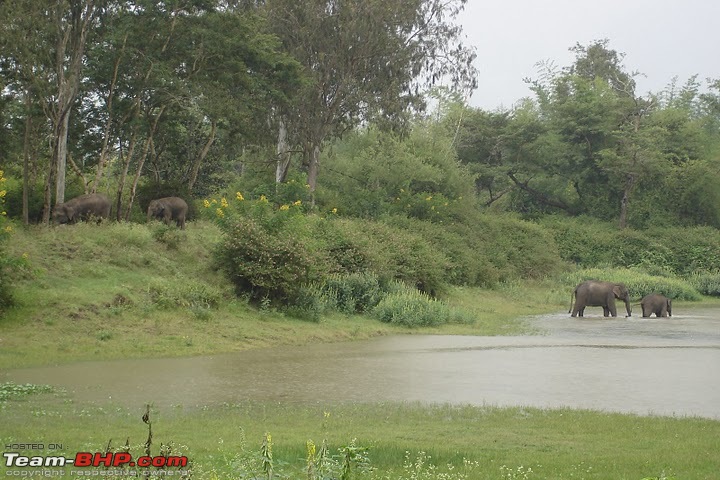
663, 366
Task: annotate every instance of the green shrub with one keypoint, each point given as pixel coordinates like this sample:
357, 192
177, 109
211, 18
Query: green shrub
411, 308
353, 292
265, 265
692, 249
638, 283
184, 292
706, 283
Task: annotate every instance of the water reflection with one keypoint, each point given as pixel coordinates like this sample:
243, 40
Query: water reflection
668, 366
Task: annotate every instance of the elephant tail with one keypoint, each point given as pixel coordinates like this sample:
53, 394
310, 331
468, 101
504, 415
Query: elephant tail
571, 301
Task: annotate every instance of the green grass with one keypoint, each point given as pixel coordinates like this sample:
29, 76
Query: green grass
136, 291
114, 291
555, 444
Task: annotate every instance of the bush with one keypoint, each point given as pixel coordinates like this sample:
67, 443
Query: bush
706, 283
638, 283
352, 293
411, 308
265, 265
181, 291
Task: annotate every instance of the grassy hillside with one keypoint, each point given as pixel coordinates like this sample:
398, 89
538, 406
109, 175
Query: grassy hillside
130, 291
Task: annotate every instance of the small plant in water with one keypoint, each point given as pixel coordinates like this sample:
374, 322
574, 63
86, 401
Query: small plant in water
10, 390
519, 473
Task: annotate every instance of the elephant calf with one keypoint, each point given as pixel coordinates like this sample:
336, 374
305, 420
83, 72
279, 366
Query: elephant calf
658, 304
168, 209
83, 207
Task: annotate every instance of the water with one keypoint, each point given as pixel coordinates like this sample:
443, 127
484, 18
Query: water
665, 366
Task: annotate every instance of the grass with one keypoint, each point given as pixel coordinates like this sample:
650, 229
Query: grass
126, 291
555, 444
115, 291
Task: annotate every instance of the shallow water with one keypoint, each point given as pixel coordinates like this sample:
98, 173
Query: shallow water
663, 366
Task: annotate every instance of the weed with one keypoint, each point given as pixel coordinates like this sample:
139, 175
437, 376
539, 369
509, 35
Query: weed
11, 390
104, 335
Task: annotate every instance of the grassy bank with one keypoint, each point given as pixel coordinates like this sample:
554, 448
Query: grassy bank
477, 442
137, 291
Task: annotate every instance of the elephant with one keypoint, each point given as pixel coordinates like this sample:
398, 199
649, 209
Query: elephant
168, 209
658, 304
82, 208
594, 293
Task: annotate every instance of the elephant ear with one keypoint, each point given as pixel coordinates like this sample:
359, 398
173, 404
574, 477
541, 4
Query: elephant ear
70, 213
618, 291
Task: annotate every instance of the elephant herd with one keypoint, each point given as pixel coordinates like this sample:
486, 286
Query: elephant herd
96, 205
593, 293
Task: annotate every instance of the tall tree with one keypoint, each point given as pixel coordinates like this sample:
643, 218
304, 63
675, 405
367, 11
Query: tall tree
366, 60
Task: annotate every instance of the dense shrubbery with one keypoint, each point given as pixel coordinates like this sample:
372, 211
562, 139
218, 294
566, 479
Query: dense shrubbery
681, 251
8, 263
638, 283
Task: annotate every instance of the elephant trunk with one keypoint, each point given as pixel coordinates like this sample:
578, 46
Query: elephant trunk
627, 306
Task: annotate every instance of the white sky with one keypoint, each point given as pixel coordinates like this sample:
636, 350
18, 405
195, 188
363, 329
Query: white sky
660, 38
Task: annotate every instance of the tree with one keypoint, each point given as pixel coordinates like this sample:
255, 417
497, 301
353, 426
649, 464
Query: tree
366, 60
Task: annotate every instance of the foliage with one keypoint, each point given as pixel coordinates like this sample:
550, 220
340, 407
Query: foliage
380, 172
638, 283
12, 390
265, 265
707, 283
411, 308
9, 264
366, 60
169, 293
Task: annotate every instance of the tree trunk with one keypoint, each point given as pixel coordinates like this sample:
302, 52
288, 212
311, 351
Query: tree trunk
26, 160
123, 175
627, 192
141, 162
201, 156
283, 153
71, 33
108, 124
60, 153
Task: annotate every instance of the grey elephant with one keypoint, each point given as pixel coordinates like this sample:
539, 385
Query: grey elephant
658, 304
168, 209
593, 293
83, 207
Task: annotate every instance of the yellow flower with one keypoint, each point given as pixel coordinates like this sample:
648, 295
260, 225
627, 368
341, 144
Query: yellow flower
429, 198
206, 204
402, 190
263, 198
8, 229
3, 193
25, 255
220, 212
284, 207
213, 201
297, 203
239, 197
334, 210
224, 203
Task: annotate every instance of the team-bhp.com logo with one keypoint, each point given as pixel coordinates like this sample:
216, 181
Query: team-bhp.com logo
97, 459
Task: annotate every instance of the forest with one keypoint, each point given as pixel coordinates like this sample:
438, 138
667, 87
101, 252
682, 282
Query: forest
353, 110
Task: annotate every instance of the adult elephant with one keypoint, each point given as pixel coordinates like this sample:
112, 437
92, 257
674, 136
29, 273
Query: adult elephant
658, 304
593, 293
168, 209
83, 207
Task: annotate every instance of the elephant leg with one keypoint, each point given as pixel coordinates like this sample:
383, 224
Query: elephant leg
612, 309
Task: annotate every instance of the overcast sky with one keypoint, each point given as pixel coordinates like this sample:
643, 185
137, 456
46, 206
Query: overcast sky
660, 38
